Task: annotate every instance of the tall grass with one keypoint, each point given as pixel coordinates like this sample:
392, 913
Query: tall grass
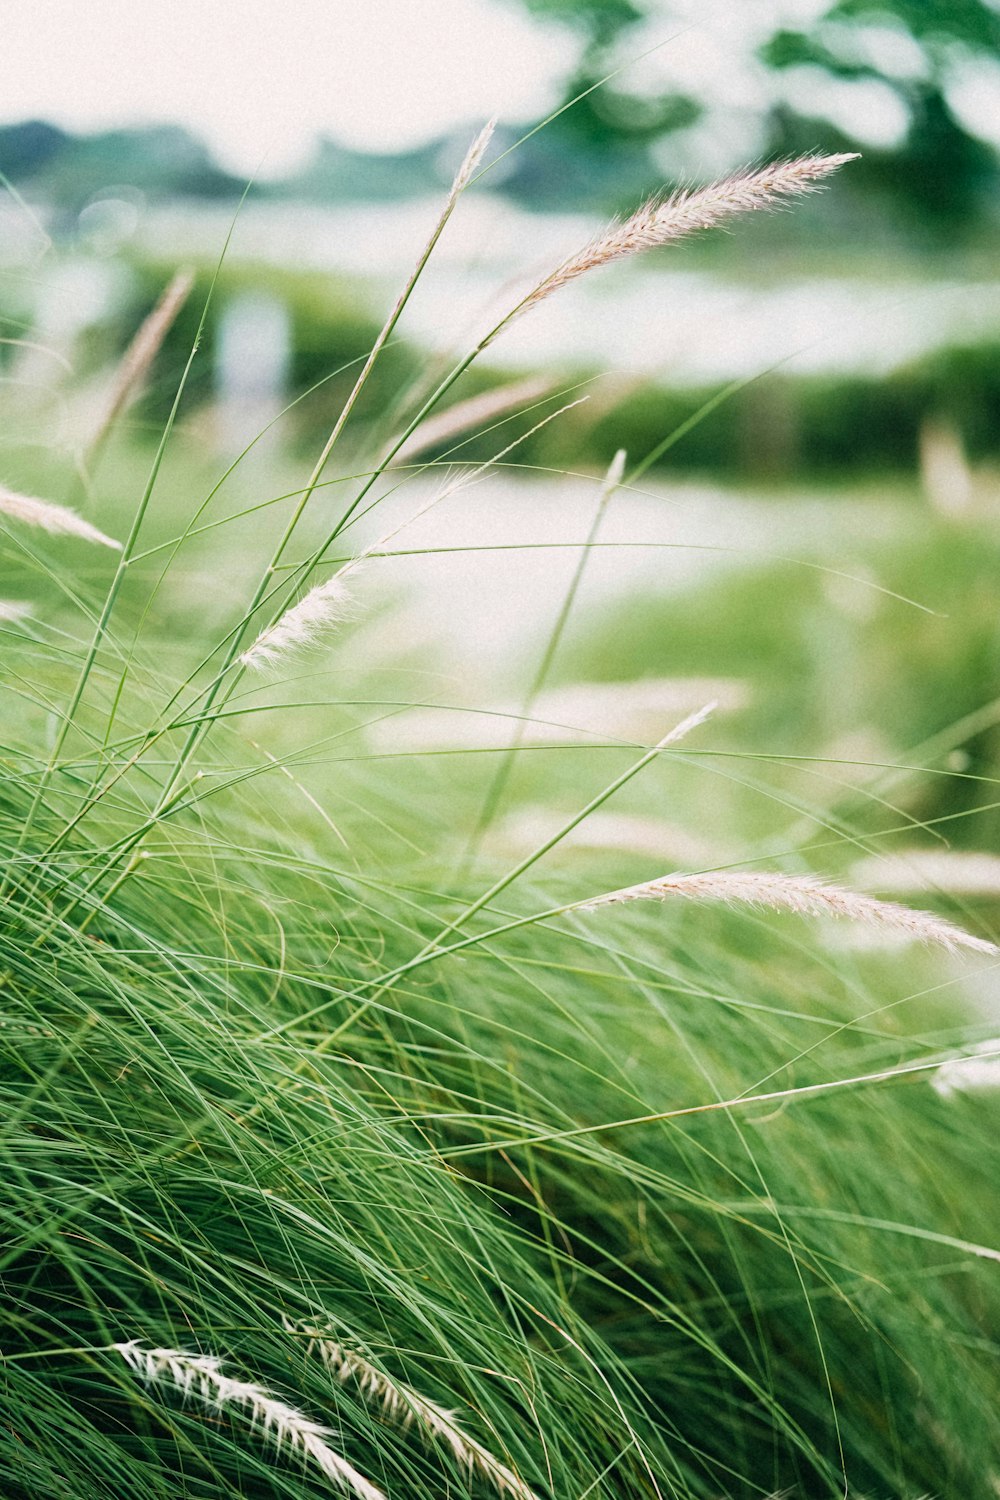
325, 1168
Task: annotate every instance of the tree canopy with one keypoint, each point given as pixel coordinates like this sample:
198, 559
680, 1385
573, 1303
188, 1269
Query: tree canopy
913, 84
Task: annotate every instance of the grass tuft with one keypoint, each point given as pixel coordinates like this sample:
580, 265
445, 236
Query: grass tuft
300, 1068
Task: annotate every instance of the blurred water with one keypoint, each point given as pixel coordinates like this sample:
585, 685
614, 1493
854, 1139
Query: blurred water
648, 316
511, 545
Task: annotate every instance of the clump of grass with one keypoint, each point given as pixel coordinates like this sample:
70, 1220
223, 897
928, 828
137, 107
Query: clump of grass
678, 1215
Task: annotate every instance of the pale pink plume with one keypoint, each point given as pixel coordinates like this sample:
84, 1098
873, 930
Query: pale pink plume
803, 894
142, 351
663, 220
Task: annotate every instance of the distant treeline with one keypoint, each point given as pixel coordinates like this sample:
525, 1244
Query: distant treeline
775, 428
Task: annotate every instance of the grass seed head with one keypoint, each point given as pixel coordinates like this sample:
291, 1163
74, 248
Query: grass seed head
803, 894
401, 1403
660, 221
199, 1377
58, 520
327, 604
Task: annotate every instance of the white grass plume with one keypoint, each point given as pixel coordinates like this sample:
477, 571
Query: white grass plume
472, 159
402, 1404
141, 353
12, 610
327, 604
58, 520
660, 221
199, 1377
803, 894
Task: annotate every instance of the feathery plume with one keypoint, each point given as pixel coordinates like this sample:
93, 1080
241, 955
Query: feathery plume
12, 610
614, 475
402, 1404
803, 894
59, 520
141, 352
474, 412
660, 221
327, 604
473, 157
199, 1377
683, 729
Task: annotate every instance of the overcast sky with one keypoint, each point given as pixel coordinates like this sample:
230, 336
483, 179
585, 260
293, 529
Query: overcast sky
258, 79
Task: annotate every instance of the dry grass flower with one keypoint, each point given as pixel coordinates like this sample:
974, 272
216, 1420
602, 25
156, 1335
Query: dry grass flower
58, 520
141, 352
199, 1377
401, 1403
327, 604
660, 221
803, 894
472, 160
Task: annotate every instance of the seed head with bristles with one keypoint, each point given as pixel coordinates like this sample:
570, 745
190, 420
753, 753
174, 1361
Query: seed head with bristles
661, 220
327, 604
472, 159
142, 351
401, 1403
803, 894
58, 520
199, 1377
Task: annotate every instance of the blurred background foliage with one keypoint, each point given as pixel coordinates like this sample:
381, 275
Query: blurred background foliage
883, 462
910, 83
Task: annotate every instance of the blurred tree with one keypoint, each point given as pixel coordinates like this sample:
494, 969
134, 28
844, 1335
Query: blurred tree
931, 65
596, 152
158, 160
